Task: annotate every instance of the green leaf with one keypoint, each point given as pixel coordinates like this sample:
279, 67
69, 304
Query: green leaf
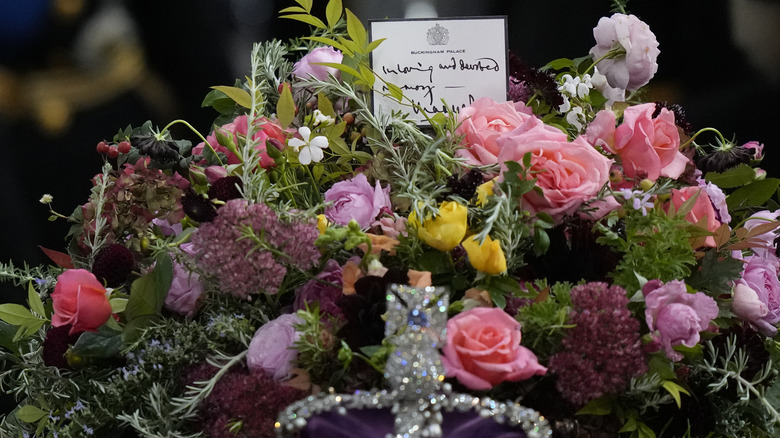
325, 106
7, 332
285, 107
714, 274
30, 413
559, 64
736, 177
356, 30
308, 19
395, 91
219, 101
660, 365
293, 9
367, 75
134, 328
305, 4
341, 67
373, 45
333, 13
16, 314
629, 426
34, 300
147, 294
541, 242
227, 141
674, 390
644, 430
104, 343
753, 194
330, 42
118, 305
600, 406
238, 95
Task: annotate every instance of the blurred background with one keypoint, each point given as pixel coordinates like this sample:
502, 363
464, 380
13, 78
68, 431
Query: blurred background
73, 72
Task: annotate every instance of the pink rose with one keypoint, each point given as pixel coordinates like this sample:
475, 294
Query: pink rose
307, 66
648, 147
186, 288
271, 350
356, 199
702, 212
757, 293
636, 65
264, 130
80, 300
675, 316
483, 349
569, 173
483, 122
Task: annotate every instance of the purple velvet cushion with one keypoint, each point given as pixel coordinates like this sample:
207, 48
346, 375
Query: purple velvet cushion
377, 423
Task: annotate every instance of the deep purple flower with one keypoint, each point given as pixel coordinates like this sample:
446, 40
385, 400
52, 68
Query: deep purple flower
325, 290
602, 351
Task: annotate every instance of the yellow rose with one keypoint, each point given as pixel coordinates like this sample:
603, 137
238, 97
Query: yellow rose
322, 223
485, 190
445, 231
488, 257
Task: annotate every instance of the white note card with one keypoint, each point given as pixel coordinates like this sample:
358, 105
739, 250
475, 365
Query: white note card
457, 60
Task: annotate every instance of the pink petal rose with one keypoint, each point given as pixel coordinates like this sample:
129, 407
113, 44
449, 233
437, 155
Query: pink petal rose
356, 199
757, 293
702, 212
648, 147
307, 66
186, 288
483, 349
483, 122
569, 173
265, 130
637, 65
675, 316
271, 350
80, 300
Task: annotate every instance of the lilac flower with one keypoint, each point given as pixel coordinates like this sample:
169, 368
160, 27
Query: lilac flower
271, 350
675, 316
629, 50
243, 266
718, 199
356, 199
757, 293
186, 288
602, 351
639, 200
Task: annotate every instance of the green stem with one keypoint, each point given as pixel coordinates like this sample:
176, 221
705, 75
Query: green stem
187, 124
701, 131
609, 54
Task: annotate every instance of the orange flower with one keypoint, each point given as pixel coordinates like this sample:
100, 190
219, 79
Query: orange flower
350, 273
419, 278
380, 242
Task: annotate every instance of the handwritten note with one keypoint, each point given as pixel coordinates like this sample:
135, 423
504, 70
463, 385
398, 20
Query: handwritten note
433, 61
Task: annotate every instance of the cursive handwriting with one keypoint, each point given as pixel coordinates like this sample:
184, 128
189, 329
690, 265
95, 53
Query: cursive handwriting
407, 69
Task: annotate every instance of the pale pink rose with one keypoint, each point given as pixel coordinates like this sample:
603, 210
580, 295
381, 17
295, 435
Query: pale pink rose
760, 276
637, 66
356, 199
215, 173
702, 210
675, 316
483, 122
569, 173
265, 130
80, 300
271, 350
307, 66
648, 147
483, 349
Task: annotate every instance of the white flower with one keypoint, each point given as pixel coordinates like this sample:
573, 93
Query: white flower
575, 117
565, 106
312, 150
319, 117
46, 199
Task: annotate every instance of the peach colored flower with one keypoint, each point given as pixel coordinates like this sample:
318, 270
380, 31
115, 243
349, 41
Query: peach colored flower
80, 300
702, 213
419, 278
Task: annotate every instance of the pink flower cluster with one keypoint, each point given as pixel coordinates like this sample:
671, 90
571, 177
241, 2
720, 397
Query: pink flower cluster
603, 350
243, 266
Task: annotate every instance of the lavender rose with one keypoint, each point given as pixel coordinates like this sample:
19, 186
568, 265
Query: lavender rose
675, 316
757, 293
635, 48
356, 199
764, 241
186, 289
271, 350
307, 66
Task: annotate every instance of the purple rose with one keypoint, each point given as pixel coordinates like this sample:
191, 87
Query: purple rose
757, 293
635, 65
186, 288
322, 290
307, 66
356, 199
676, 316
718, 199
271, 350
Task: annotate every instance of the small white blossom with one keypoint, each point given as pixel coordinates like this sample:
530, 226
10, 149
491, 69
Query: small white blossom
311, 149
565, 106
319, 118
576, 117
46, 199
